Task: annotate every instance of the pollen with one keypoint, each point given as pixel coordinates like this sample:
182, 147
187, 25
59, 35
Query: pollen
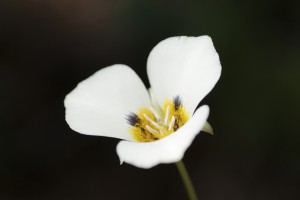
149, 124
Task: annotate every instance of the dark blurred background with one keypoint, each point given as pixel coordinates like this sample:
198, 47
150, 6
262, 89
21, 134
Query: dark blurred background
48, 46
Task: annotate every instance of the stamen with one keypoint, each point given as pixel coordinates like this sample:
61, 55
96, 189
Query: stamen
152, 122
151, 130
155, 113
171, 123
167, 115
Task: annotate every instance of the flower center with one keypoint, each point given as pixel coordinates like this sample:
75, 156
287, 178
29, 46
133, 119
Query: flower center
150, 124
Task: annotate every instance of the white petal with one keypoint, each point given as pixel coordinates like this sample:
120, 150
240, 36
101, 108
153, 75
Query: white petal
154, 102
184, 66
99, 104
167, 150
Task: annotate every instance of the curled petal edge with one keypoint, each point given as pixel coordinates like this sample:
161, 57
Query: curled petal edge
167, 150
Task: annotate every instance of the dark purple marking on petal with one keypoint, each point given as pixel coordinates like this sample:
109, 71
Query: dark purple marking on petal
177, 102
132, 119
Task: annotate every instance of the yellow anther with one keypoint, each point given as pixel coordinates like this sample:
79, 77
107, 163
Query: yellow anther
148, 125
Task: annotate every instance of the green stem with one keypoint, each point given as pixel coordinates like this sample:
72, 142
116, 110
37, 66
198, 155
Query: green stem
186, 180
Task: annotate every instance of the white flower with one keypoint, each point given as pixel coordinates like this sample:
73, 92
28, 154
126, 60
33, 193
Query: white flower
157, 127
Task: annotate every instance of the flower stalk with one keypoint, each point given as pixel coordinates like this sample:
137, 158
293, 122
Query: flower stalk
186, 180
